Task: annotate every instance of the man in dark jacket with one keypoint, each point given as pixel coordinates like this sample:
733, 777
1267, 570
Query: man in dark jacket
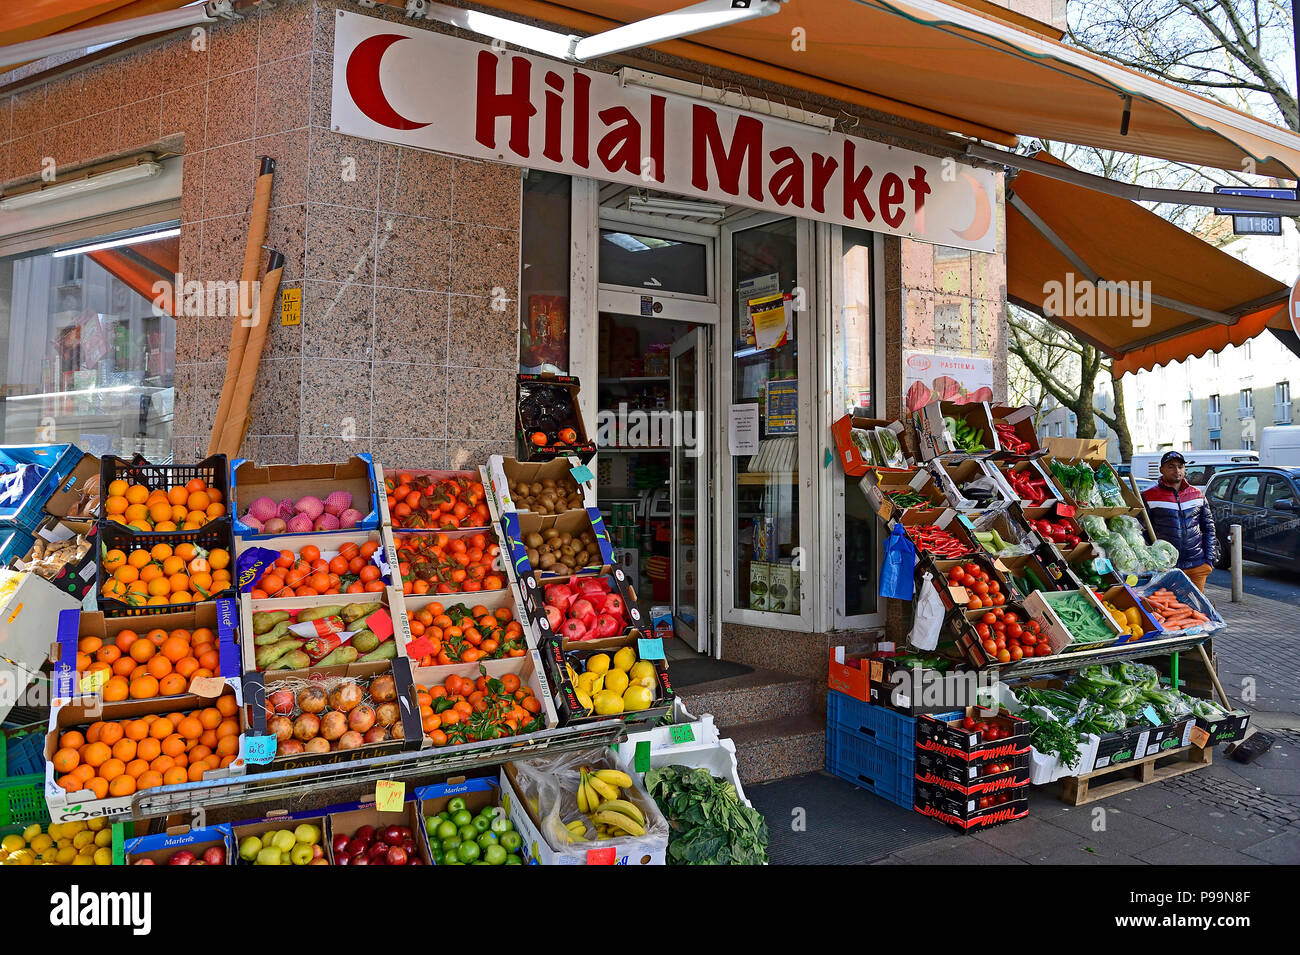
1181, 516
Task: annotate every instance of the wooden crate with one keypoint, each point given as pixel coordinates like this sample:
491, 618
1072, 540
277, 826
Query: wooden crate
1081, 790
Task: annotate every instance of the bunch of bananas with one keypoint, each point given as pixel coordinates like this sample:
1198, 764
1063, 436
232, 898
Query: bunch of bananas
600, 799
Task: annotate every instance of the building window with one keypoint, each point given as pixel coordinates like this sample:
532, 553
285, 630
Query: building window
1187, 445
1215, 445
88, 357
1060, 428
544, 284
1246, 403
1282, 402
1214, 359
1214, 415
1187, 412
1246, 350
1248, 444
1160, 413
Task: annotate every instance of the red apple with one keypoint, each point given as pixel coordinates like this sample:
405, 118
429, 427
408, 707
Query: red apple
396, 855
184, 857
367, 833
144, 862
215, 855
340, 844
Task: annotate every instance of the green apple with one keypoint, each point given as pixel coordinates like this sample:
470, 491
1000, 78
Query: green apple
447, 829
270, 855
467, 833
495, 855
513, 859
249, 847
511, 841
284, 840
301, 854
307, 833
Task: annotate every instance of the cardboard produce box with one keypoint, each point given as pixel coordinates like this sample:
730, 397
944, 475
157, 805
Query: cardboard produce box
1035, 470
1231, 728
29, 619
64, 552
508, 475
949, 738
946, 520
263, 687
78, 495
1123, 598
384, 623
283, 819
1058, 635
955, 475
80, 712
527, 668
932, 434
548, 404
419, 646
329, 545
249, 481
859, 453
158, 849
558, 656
878, 485
347, 818
1123, 746
1021, 420
522, 530
390, 479
534, 596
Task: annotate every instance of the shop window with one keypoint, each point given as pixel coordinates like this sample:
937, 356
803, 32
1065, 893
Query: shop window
545, 272
859, 583
88, 357
766, 532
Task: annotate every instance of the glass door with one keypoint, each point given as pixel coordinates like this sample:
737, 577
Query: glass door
690, 482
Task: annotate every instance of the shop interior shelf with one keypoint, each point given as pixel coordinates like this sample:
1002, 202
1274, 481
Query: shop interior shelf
631, 381
767, 477
318, 782
1110, 654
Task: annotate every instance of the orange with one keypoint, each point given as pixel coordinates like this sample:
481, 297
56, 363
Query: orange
157, 637
96, 754
215, 510
136, 730
161, 728
211, 717
177, 495
71, 783
161, 552
116, 504
183, 759
158, 601
118, 487
138, 558
65, 760
198, 501
175, 648
173, 745
124, 785
136, 515
114, 589
173, 565
137, 494
162, 764
173, 684
83, 772
92, 731
175, 776
219, 558
111, 733
182, 597
179, 582
124, 749
202, 583
142, 650
136, 767
151, 572
186, 551
71, 740
127, 574
125, 638
227, 760
227, 706
83, 663
124, 666
190, 727
159, 586
159, 666
213, 493
199, 753
148, 749
116, 689
178, 512
186, 666
108, 654
147, 780
89, 644
201, 647
99, 786
196, 771
141, 525
163, 526
211, 660
143, 688
208, 739
111, 769
228, 746
213, 761
160, 511
201, 672
228, 727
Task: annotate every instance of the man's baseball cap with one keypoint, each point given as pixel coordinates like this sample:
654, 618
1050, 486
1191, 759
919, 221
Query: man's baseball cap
1172, 456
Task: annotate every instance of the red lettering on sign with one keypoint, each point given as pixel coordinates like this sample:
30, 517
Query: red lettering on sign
786, 184
491, 105
855, 186
553, 117
621, 146
746, 148
920, 189
823, 169
657, 104
581, 118
891, 196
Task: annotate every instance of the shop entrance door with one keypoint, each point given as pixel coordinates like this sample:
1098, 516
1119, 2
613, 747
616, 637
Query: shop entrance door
692, 488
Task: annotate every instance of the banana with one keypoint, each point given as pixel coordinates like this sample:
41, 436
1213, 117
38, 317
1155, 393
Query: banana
629, 809
618, 822
602, 787
593, 797
614, 777
577, 830
583, 805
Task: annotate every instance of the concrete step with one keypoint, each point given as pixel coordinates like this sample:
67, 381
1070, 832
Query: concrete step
753, 697
778, 748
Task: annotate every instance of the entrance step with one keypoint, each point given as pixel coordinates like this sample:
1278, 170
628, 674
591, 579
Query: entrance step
755, 697
778, 748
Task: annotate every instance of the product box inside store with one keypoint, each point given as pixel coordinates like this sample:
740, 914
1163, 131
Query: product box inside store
522, 485
783, 587
559, 656
547, 405
212, 845
291, 482
253, 835
29, 618
531, 533
760, 577
64, 553
932, 433
879, 485
1040, 607
217, 616
276, 705
646, 850
1021, 421
274, 636
528, 668
862, 446
971, 483
80, 712
78, 495
951, 738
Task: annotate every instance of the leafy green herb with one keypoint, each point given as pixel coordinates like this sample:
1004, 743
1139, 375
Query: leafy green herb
1050, 736
710, 825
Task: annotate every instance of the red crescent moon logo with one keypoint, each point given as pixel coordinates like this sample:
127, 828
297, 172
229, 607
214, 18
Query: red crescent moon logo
364, 86
1293, 305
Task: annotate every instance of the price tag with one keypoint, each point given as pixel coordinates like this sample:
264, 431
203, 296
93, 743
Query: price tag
1200, 737
641, 756
885, 511
419, 648
967, 521
208, 686
259, 749
1103, 565
959, 595
1152, 716
606, 856
582, 474
682, 733
94, 681
380, 624
389, 795
651, 649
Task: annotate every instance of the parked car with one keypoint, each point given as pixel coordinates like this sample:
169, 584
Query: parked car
1265, 501
1279, 446
1200, 464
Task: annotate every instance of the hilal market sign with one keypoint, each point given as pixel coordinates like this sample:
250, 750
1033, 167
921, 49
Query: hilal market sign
409, 86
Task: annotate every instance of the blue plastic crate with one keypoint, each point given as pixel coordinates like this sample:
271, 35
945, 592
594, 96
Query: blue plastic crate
23, 750
863, 762
889, 728
14, 543
58, 459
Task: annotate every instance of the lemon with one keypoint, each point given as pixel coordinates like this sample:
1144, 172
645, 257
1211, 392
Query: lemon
24, 857
41, 842
97, 824
616, 681
12, 843
598, 664
584, 700
583, 683
31, 832
104, 837
641, 670
70, 829
608, 703
638, 698
624, 659
83, 839
66, 855
55, 831
103, 856
50, 856
83, 860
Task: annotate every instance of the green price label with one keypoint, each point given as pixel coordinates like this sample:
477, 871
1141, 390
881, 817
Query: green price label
682, 733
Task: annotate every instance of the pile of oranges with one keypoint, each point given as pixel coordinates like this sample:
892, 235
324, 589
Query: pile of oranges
350, 571
160, 575
118, 758
143, 667
179, 508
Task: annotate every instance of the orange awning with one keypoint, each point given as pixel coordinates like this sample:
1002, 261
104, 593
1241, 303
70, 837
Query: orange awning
1060, 235
142, 265
34, 19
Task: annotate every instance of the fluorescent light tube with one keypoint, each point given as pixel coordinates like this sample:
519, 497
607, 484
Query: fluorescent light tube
678, 207
75, 187
709, 15
114, 243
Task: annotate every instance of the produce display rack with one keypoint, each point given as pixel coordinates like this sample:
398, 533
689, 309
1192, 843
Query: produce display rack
1108, 654
1079, 790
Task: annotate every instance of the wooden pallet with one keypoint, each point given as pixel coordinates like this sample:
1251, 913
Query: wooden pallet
1080, 790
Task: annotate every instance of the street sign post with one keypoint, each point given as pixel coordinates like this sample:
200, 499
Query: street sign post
1249, 191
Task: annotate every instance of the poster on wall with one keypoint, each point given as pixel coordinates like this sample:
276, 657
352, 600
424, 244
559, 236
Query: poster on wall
929, 377
769, 316
544, 339
750, 289
782, 407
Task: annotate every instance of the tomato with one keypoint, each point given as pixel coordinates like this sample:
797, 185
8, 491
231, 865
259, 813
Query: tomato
989, 618
981, 588
999, 599
1014, 629
991, 648
982, 629
972, 569
1016, 653
1011, 616
968, 723
1042, 649
975, 603
1000, 627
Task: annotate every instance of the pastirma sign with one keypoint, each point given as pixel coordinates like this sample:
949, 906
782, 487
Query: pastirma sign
401, 84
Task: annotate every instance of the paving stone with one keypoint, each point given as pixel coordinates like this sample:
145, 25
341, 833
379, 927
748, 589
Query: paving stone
1190, 850
1282, 849
1124, 828
1086, 855
1223, 829
1028, 839
964, 850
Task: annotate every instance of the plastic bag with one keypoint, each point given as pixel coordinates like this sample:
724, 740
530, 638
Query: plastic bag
1164, 556
550, 785
982, 490
898, 565
1108, 486
862, 441
1122, 557
929, 616
1096, 529
1127, 527
891, 451
989, 537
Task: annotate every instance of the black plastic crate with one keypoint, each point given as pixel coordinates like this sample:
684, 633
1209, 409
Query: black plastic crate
215, 470
209, 536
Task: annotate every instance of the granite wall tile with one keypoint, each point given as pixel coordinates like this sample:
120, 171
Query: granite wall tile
409, 400
413, 252
139, 124
412, 452
28, 112
335, 398
6, 118
99, 134
470, 454
483, 333
224, 242
232, 47
26, 154
280, 449
343, 170
485, 261
289, 150
283, 96
487, 193
321, 90
229, 175
491, 415
411, 325
233, 98
65, 145
286, 30
340, 244
413, 182
185, 111
276, 391
286, 229
192, 189
337, 320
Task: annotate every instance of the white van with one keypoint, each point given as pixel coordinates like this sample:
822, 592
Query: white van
1200, 464
1279, 446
